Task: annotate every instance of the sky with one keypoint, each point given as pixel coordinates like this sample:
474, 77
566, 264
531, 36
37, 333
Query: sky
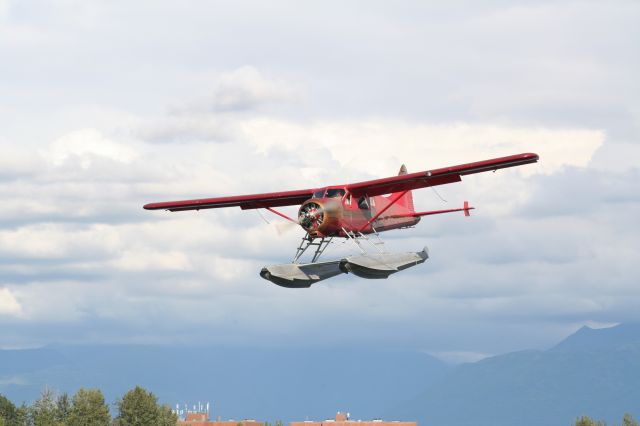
109, 105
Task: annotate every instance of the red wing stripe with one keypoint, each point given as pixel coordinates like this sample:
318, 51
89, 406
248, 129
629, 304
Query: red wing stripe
489, 165
254, 201
435, 177
388, 185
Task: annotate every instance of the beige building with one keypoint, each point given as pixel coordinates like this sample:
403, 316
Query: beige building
202, 419
342, 419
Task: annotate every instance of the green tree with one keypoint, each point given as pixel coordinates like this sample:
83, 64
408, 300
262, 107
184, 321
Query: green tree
167, 416
628, 420
138, 407
43, 411
63, 408
21, 417
7, 411
89, 409
588, 421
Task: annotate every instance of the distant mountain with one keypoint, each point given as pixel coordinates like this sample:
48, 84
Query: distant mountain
266, 384
592, 372
597, 339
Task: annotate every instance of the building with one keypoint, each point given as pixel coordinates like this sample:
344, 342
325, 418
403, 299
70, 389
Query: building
343, 419
202, 419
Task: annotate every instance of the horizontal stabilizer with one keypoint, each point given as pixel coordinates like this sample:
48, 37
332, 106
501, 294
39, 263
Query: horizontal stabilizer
466, 209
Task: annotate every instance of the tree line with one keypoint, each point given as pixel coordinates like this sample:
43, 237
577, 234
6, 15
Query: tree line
138, 407
87, 407
627, 420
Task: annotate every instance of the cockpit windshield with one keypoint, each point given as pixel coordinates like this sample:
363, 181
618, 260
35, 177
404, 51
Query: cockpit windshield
329, 193
335, 193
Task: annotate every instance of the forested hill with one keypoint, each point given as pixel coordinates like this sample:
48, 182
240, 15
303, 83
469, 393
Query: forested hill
592, 372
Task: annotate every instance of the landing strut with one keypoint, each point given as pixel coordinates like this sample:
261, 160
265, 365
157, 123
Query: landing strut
308, 241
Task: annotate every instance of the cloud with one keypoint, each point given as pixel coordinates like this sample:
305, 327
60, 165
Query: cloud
85, 144
17, 163
243, 89
8, 303
365, 145
80, 229
246, 88
617, 157
550, 246
132, 260
4, 9
152, 269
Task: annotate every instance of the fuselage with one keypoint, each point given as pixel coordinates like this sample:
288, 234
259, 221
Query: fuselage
333, 211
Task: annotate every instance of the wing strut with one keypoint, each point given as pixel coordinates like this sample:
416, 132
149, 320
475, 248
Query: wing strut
274, 211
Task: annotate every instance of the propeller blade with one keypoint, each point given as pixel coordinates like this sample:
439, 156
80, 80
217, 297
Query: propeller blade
282, 227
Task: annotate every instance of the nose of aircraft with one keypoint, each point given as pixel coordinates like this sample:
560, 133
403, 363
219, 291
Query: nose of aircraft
311, 216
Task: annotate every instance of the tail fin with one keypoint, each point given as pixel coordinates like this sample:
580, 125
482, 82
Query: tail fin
407, 199
466, 209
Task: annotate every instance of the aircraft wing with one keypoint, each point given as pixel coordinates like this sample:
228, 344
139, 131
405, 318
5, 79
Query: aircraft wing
371, 187
254, 201
436, 176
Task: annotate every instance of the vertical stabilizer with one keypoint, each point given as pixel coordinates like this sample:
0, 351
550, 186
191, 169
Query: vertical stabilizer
407, 199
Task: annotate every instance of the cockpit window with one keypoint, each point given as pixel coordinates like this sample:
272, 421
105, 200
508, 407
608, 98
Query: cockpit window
363, 203
318, 194
335, 192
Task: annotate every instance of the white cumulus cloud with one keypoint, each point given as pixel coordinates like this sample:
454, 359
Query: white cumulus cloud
8, 303
87, 144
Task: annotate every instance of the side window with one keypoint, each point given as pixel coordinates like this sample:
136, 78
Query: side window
363, 203
318, 194
347, 200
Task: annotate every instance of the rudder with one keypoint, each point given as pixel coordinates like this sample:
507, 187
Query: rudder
407, 199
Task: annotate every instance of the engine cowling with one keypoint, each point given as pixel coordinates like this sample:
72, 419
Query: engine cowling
319, 217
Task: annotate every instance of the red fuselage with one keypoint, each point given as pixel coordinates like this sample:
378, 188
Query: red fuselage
333, 211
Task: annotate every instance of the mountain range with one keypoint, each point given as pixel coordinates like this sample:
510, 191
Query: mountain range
593, 372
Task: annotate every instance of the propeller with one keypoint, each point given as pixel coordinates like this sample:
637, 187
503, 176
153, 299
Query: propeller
311, 216
284, 226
